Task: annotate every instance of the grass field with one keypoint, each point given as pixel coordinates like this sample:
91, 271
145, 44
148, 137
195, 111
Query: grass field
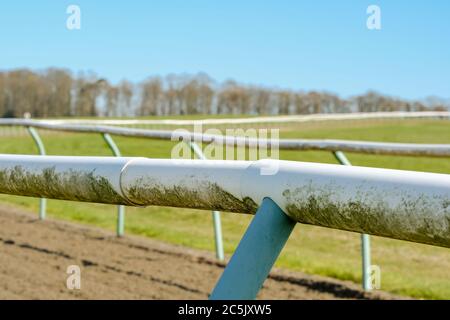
410, 269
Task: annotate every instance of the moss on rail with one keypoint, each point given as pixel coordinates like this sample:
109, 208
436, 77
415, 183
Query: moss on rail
205, 196
316, 206
68, 185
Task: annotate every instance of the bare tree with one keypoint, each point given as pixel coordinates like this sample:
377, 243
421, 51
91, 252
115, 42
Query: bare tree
56, 92
112, 101
152, 94
284, 102
60, 97
125, 97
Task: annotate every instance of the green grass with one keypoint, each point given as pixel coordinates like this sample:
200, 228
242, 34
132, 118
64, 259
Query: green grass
407, 268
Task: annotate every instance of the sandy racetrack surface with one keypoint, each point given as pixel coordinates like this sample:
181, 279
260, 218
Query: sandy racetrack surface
34, 256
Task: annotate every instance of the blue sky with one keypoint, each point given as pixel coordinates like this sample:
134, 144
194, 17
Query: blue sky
321, 45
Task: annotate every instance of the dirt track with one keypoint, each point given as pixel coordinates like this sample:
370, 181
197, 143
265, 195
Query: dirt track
34, 256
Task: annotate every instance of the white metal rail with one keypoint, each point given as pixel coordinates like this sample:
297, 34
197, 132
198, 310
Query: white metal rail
399, 204
404, 205
409, 149
273, 119
336, 146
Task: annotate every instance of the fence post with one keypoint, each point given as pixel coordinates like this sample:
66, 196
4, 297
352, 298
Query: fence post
40, 145
120, 209
255, 255
365, 239
215, 214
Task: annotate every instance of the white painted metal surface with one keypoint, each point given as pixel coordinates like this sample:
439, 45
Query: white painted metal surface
408, 149
273, 119
405, 205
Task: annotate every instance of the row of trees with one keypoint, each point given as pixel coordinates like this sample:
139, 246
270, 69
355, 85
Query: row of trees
56, 92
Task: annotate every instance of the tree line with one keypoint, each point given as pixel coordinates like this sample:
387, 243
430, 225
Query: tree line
58, 93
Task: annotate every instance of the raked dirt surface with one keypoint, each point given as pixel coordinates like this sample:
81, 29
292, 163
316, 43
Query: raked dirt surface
34, 256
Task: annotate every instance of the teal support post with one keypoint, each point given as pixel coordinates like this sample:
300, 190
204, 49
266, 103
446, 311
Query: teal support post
40, 145
120, 229
255, 255
215, 214
218, 235
366, 264
365, 239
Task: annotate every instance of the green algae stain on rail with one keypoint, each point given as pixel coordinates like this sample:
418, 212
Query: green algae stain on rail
68, 185
206, 195
417, 220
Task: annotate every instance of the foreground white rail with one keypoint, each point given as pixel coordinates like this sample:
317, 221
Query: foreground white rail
404, 205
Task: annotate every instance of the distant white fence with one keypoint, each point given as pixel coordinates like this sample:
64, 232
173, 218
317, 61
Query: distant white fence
256, 120
410, 149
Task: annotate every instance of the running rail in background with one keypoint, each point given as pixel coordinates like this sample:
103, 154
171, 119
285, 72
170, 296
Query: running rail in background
336, 146
405, 205
409, 149
274, 119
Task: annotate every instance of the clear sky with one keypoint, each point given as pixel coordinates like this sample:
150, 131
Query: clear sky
321, 45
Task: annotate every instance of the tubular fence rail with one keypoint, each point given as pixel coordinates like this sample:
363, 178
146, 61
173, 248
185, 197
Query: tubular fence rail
335, 146
405, 205
256, 120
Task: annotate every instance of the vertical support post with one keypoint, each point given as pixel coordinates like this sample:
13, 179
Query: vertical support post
215, 214
366, 264
255, 255
120, 228
365, 239
40, 145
